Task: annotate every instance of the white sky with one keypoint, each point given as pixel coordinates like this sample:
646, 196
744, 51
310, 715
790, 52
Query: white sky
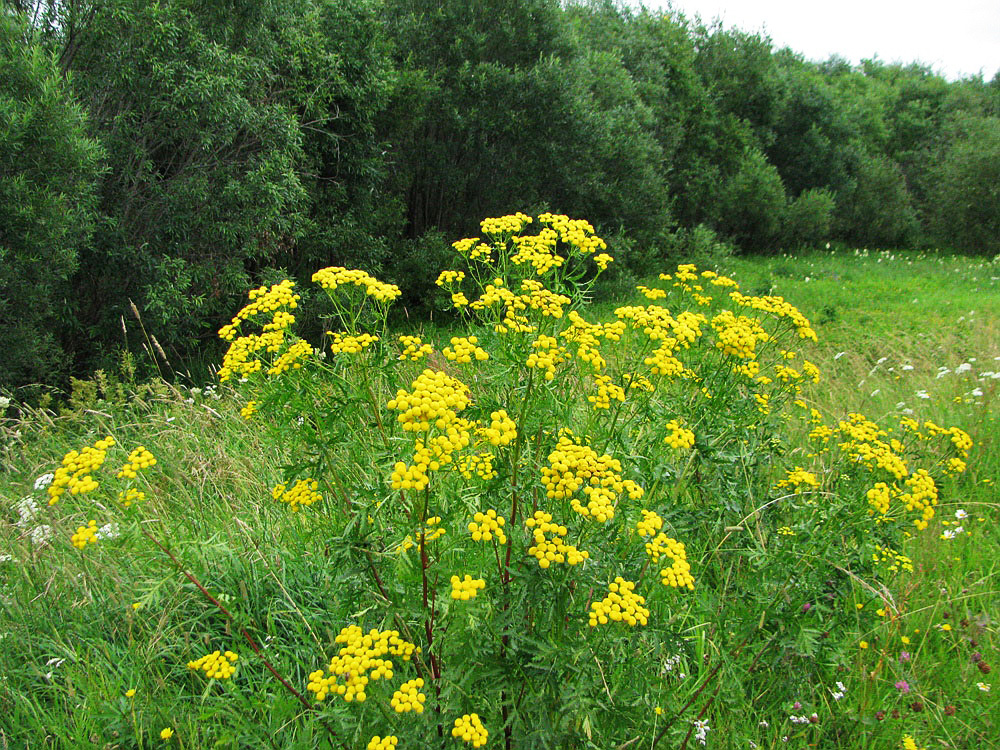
956, 38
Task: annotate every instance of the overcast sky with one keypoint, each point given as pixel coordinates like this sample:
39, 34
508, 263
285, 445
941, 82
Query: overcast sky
956, 38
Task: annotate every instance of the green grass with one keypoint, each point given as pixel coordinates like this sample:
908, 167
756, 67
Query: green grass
72, 643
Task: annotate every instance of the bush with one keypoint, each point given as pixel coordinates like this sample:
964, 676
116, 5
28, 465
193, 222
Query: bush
808, 218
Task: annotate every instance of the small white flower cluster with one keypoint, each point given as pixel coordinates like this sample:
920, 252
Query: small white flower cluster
27, 509
803, 719
108, 531
4, 402
840, 692
671, 663
701, 730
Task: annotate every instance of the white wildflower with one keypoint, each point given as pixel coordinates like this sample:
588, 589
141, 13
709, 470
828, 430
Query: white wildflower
41, 534
961, 513
44, 481
964, 367
838, 355
108, 531
27, 509
923, 394
701, 730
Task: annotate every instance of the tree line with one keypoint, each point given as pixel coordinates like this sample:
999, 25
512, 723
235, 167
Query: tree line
160, 158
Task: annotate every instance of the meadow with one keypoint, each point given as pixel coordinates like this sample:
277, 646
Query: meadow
753, 505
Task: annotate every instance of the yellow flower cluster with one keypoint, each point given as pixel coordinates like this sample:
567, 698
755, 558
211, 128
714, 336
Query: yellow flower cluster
910, 744
484, 526
468, 247
573, 466
290, 358
249, 410
131, 496
361, 659
138, 460
663, 362
797, 477
778, 307
505, 225
679, 438
434, 453
621, 604
217, 665
74, 475
464, 350
408, 697
786, 374
586, 336
738, 336
554, 549
470, 729
303, 492
606, 391
639, 382
575, 232
479, 464
239, 360
822, 433
85, 535
435, 399
653, 293
335, 276
879, 498
383, 743
603, 260
538, 251
450, 277
502, 430
678, 575
959, 438
895, 559
265, 300
494, 293
466, 588
863, 444
922, 495
537, 297
763, 402
649, 524
413, 348
345, 343
546, 355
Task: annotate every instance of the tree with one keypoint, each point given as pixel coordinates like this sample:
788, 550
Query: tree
966, 192
49, 167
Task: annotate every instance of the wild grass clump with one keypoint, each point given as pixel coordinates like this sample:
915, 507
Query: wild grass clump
546, 531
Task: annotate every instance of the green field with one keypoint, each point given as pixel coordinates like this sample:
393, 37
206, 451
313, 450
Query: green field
812, 620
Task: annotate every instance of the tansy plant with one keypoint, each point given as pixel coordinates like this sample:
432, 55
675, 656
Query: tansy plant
542, 514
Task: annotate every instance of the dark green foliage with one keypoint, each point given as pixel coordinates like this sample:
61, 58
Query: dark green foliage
966, 192
247, 141
753, 204
48, 167
876, 208
809, 218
